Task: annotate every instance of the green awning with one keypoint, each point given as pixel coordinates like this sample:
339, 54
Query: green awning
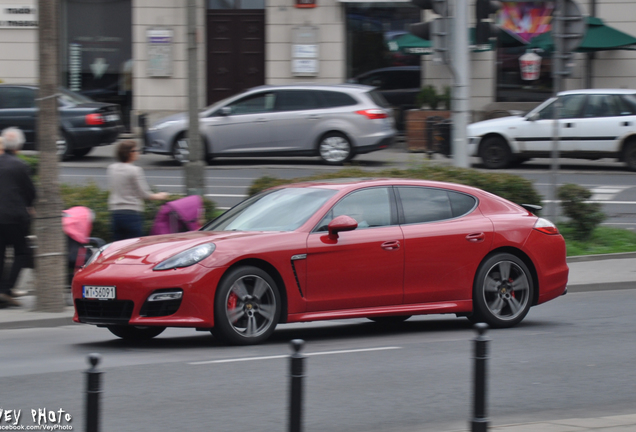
599, 37
411, 44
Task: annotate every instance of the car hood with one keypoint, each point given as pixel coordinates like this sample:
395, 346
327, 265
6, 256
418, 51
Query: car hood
180, 117
152, 250
495, 125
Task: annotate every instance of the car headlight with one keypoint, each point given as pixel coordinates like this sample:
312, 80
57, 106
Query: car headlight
187, 257
163, 125
96, 254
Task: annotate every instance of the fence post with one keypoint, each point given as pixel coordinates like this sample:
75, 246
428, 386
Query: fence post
297, 367
479, 422
93, 390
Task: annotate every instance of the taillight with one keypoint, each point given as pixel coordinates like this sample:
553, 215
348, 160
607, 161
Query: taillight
373, 114
94, 119
545, 226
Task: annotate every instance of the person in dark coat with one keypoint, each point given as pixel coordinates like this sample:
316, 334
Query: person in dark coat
17, 194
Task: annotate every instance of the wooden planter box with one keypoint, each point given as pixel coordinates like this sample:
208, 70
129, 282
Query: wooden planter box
416, 129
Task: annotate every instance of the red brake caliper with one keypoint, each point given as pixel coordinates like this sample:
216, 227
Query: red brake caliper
231, 301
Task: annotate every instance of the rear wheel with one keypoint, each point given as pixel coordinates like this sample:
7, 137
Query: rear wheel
135, 333
247, 306
82, 152
630, 155
335, 148
502, 291
64, 147
495, 153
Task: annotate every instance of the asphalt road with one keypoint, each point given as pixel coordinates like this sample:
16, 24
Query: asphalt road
570, 358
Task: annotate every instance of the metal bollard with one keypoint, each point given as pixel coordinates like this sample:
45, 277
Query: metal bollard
93, 390
479, 422
297, 368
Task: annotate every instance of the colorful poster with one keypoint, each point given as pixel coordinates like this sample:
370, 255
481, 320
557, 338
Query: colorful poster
525, 20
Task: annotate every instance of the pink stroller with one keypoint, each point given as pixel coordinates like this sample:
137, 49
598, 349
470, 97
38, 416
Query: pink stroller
184, 214
77, 223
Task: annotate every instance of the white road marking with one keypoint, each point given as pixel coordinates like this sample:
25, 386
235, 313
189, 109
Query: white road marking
286, 356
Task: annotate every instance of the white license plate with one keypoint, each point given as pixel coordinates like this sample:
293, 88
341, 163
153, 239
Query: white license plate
112, 117
99, 292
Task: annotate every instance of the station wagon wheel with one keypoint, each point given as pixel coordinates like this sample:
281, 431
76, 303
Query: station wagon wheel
246, 306
64, 147
181, 150
135, 333
335, 148
630, 155
502, 292
82, 152
495, 153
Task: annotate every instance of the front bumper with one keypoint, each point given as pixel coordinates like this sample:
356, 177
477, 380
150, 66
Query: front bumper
135, 283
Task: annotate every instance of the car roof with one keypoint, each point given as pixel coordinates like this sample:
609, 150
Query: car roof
346, 184
306, 86
598, 91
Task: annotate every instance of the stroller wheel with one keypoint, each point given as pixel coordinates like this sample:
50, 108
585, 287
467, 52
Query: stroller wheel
135, 333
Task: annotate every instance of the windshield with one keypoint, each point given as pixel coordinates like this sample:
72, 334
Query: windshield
278, 210
71, 98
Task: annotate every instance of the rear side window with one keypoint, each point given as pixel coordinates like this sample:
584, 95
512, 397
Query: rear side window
334, 99
297, 100
429, 204
378, 99
17, 97
628, 104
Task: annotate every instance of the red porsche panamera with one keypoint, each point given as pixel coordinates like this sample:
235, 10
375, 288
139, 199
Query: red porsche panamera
382, 249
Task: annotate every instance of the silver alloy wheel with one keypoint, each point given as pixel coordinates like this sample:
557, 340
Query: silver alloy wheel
250, 306
61, 145
506, 290
335, 149
181, 150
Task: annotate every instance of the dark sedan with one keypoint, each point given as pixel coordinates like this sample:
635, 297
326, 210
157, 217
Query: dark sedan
84, 123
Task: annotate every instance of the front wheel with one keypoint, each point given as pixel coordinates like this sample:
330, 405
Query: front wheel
630, 155
247, 306
502, 291
78, 153
181, 150
135, 333
495, 153
335, 149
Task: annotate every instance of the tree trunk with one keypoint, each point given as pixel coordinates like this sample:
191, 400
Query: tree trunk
51, 255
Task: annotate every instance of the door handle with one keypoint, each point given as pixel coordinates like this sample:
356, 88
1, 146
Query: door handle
391, 245
626, 123
261, 120
569, 125
476, 237
313, 117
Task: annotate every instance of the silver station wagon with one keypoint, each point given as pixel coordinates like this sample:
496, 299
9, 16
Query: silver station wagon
334, 122
593, 124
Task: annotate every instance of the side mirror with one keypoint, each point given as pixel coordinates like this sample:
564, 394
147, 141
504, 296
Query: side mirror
225, 111
339, 224
533, 117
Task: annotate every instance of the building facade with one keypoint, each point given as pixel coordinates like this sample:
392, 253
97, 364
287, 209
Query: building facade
134, 52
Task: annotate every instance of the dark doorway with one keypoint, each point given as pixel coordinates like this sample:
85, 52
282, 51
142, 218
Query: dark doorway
235, 51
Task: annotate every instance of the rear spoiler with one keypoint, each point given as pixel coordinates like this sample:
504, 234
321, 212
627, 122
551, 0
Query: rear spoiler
534, 209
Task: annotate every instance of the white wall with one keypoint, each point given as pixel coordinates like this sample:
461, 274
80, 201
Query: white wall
281, 17
161, 96
18, 50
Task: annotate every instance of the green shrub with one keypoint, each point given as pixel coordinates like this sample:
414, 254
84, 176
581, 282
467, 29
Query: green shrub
583, 217
509, 186
96, 199
427, 97
32, 161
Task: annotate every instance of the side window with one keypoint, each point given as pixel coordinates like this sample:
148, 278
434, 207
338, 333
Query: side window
17, 97
627, 104
422, 204
297, 100
600, 106
369, 207
461, 204
254, 104
572, 105
337, 99
375, 80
